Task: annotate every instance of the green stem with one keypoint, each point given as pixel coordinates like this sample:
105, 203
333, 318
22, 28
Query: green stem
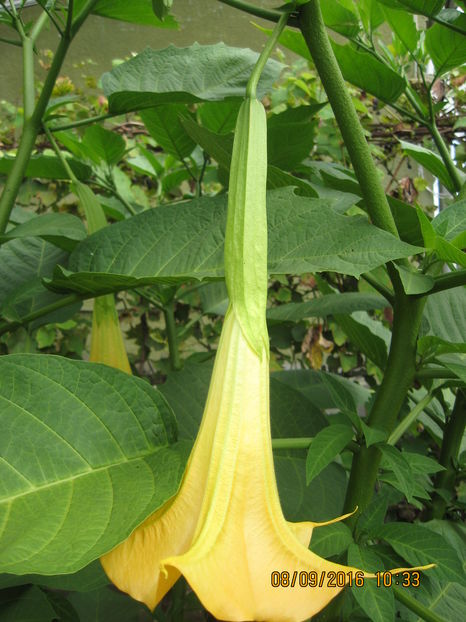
414, 605
452, 438
253, 81
384, 291
6, 327
33, 125
315, 34
448, 280
83, 122
408, 420
399, 375
10, 42
28, 78
432, 373
170, 325
445, 155
252, 9
60, 155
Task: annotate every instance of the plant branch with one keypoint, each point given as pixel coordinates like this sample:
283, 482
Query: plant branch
83, 122
448, 280
445, 155
409, 420
252, 9
398, 377
384, 291
315, 34
6, 327
452, 438
10, 42
414, 605
303, 443
253, 81
172, 337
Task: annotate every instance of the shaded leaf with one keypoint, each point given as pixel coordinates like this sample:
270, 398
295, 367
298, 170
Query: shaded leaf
62, 230
53, 468
446, 47
47, 167
165, 125
184, 75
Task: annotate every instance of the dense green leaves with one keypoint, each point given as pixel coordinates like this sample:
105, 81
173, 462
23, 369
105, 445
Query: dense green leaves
93, 462
192, 74
185, 241
419, 546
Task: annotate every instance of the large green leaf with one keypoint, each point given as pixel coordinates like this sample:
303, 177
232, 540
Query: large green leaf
47, 167
446, 47
192, 74
185, 241
326, 305
86, 457
369, 74
378, 603
366, 334
290, 136
62, 230
339, 18
220, 117
26, 604
430, 160
422, 7
420, 546
165, 125
107, 604
28, 259
444, 316
136, 12
451, 223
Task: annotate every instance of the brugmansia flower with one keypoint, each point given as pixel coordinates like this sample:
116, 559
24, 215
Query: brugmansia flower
106, 339
224, 530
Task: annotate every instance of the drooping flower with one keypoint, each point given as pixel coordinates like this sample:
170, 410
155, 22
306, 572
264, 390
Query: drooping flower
224, 530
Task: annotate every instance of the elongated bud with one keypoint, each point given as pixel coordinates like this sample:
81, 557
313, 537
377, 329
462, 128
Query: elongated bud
246, 233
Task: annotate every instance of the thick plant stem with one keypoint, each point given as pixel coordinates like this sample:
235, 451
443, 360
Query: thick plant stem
315, 34
170, 324
445, 155
390, 396
451, 443
414, 605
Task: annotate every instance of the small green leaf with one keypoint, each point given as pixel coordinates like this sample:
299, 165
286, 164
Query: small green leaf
373, 435
393, 460
104, 145
378, 603
47, 167
135, 12
162, 8
331, 540
165, 125
413, 281
62, 230
430, 160
326, 445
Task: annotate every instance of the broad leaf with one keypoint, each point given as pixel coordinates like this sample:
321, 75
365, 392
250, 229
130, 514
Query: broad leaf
47, 167
430, 160
26, 604
420, 546
165, 125
331, 540
219, 117
136, 12
185, 241
404, 27
446, 47
422, 7
62, 230
326, 305
186, 75
326, 445
377, 602
104, 144
29, 259
450, 223
413, 281
339, 18
444, 316
366, 334
108, 604
86, 458
369, 74
290, 137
